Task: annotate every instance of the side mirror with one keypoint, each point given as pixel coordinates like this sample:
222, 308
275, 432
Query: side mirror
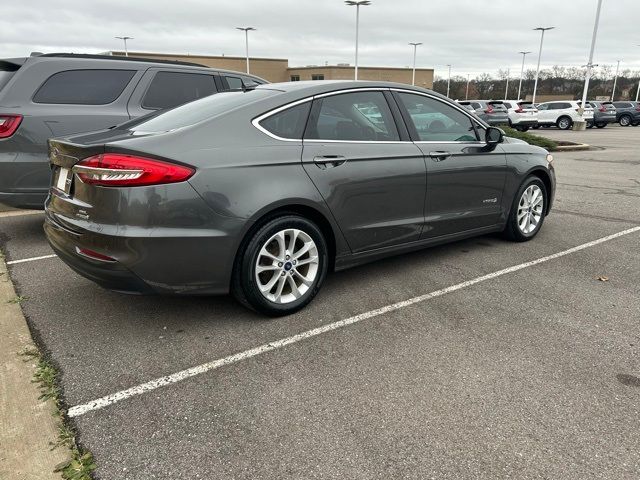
494, 136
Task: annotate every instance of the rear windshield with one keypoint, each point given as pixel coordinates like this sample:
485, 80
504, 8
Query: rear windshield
199, 110
497, 105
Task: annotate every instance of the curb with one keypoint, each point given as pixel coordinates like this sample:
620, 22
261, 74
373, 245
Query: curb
572, 148
27, 425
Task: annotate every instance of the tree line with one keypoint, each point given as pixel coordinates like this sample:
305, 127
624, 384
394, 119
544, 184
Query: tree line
557, 80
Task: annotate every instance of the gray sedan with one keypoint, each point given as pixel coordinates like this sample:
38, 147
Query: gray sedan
263, 192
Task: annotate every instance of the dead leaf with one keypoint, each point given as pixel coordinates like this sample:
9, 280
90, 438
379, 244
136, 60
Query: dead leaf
602, 278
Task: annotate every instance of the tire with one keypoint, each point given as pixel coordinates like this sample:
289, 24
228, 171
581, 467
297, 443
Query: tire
522, 128
635, 124
265, 247
564, 123
589, 125
536, 127
601, 125
625, 120
521, 232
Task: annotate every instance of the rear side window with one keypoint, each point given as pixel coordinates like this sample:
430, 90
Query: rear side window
621, 104
235, 83
170, 89
84, 87
289, 123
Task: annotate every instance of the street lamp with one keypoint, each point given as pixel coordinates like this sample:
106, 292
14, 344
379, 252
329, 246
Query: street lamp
357, 4
638, 91
615, 81
466, 95
535, 84
506, 89
524, 54
415, 47
590, 64
124, 39
246, 31
449, 80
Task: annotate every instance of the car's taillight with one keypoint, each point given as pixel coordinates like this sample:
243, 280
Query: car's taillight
9, 124
519, 110
120, 170
637, 108
603, 108
489, 109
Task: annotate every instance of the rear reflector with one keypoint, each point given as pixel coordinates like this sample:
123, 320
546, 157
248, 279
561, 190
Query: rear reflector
9, 124
85, 252
119, 170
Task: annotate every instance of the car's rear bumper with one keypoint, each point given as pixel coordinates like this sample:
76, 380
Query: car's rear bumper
497, 120
32, 200
524, 122
158, 261
604, 118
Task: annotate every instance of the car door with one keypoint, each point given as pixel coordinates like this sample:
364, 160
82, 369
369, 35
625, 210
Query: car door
369, 173
162, 88
544, 113
465, 177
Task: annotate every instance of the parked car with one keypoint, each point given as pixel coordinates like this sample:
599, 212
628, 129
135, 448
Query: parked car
219, 194
60, 94
603, 113
494, 112
563, 113
628, 113
522, 115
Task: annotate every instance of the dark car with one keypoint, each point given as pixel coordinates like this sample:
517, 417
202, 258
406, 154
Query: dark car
263, 192
603, 113
61, 94
493, 112
627, 113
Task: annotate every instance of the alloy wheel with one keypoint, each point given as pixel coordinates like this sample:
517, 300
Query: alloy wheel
287, 266
530, 209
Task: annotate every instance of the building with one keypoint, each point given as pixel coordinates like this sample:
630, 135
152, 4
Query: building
278, 70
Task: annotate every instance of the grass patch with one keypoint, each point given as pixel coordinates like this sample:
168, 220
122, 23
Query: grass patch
18, 299
530, 138
81, 464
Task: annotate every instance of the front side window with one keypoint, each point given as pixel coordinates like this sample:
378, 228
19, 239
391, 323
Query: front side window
543, 106
435, 121
288, 123
84, 87
357, 116
170, 89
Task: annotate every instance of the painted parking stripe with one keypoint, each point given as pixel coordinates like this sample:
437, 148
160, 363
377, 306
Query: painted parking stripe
32, 259
107, 400
19, 213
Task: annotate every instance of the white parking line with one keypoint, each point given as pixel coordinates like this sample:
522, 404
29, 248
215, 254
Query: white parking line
107, 400
32, 259
19, 213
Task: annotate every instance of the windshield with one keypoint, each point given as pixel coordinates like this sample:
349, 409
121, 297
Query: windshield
197, 111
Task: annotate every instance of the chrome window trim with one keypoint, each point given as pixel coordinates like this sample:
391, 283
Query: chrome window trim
256, 121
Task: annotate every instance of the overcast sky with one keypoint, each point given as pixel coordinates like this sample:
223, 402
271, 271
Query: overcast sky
474, 36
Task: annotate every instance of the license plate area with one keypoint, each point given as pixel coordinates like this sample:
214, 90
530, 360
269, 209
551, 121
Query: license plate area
62, 180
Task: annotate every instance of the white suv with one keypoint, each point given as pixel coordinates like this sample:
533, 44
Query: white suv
563, 113
522, 115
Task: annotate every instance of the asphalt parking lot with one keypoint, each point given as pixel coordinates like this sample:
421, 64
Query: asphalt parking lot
530, 373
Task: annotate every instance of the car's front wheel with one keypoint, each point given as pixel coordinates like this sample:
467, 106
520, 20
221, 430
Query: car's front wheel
282, 266
625, 120
601, 125
527, 211
564, 123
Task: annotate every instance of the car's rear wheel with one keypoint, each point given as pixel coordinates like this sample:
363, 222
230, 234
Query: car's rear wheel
527, 210
625, 120
564, 123
282, 266
601, 125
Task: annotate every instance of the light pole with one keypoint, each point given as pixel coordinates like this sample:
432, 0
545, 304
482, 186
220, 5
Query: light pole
357, 4
506, 89
246, 31
590, 63
466, 95
638, 91
535, 84
615, 81
449, 80
413, 75
124, 39
524, 54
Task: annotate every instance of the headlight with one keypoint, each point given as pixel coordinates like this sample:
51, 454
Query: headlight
549, 158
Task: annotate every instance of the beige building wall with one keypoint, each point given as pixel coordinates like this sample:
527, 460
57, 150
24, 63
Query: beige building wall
271, 69
277, 69
424, 76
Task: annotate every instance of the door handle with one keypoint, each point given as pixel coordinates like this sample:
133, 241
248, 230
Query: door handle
329, 161
439, 156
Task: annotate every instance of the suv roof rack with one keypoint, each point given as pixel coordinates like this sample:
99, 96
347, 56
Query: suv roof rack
117, 57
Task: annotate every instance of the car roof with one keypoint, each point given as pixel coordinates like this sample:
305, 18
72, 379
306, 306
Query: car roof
317, 87
138, 61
